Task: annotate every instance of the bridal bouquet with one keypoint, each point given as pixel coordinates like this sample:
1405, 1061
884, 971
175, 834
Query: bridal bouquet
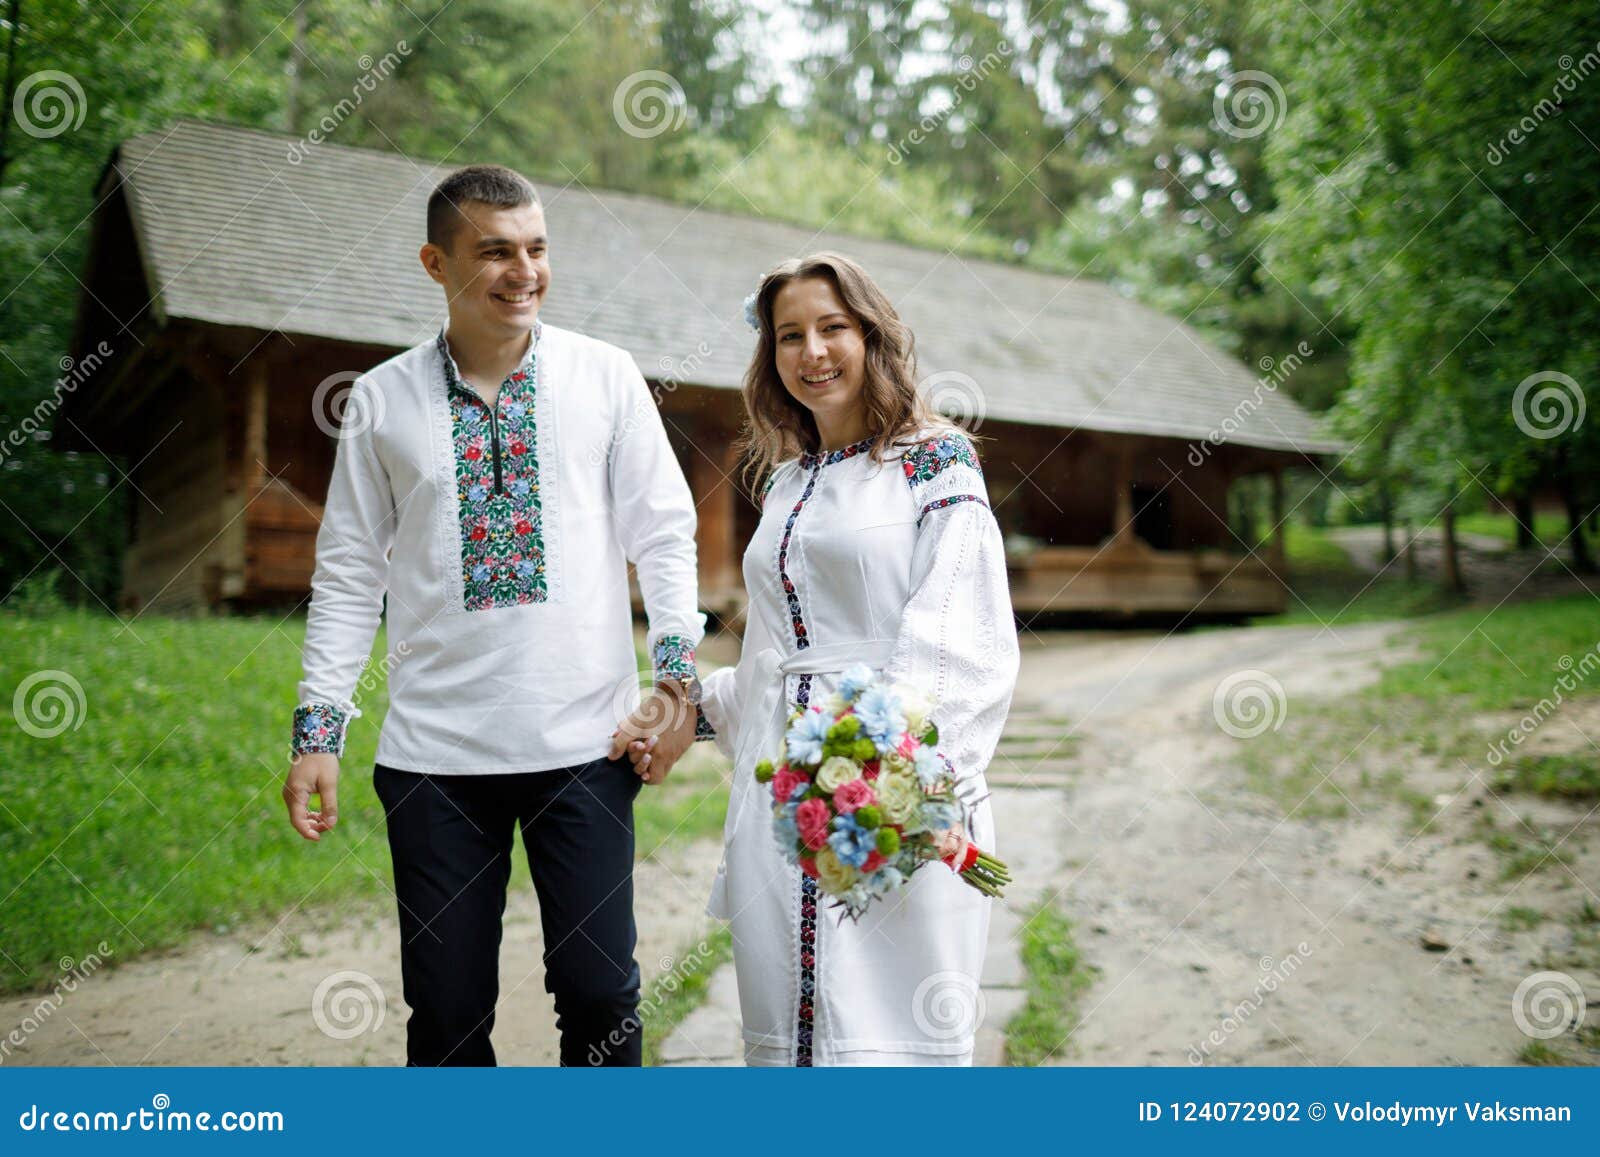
862, 798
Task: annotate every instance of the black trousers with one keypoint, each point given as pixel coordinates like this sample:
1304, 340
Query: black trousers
451, 837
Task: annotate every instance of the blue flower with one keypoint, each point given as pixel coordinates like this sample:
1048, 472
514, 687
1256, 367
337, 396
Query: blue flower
945, 448
937, 815
479, 573
851, 842
885, 880
806, 735
470, 414
476, 492
882, 719
526, 567
855, 680
520, 488
751, 318
787, 831
930, 768
515, 409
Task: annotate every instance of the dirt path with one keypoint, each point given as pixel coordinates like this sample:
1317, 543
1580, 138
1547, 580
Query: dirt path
323, 988
1193, 896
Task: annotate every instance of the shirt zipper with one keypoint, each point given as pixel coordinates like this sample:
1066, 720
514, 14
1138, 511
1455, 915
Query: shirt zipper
494, 430
494, 442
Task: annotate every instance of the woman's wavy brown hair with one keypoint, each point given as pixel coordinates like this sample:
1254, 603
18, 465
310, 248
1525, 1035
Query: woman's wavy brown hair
779, 427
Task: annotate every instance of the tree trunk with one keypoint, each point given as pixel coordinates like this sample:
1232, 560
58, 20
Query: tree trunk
1386, 512
1409, 550
1582, 560
1452, 561
1522, 508
12, 17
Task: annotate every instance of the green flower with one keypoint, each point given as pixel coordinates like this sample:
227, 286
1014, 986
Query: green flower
764, 771
888, 839
869, 816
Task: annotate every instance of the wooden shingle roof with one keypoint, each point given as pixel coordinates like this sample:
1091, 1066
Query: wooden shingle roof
231, 231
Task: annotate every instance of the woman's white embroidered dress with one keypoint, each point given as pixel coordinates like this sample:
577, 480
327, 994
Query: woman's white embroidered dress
899, 565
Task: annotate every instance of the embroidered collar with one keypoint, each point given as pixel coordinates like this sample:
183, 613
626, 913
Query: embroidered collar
452, 372
809, 461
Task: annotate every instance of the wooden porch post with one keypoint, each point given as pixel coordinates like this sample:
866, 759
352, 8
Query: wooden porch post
713, 466
1277, 551
1122, 473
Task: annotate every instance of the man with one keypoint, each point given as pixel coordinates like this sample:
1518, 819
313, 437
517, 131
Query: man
494, 482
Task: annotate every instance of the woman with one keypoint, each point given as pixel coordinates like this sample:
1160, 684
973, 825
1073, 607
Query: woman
876, 545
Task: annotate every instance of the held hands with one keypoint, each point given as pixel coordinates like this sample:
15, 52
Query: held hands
656, 733
313, 773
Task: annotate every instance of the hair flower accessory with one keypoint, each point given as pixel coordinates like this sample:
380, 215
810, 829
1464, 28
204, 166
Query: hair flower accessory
750, 317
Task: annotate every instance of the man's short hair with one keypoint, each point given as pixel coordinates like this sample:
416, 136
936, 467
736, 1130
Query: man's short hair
493, 185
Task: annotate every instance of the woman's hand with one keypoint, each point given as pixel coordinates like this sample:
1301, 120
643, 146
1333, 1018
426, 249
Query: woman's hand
656, 733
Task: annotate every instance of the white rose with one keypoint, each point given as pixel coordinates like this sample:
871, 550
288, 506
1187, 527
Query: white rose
836, 771
915, 706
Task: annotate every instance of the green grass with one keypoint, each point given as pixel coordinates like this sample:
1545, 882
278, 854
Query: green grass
1471, 661
1327, 587
1056, 977
681, 990
157, 812
1548, 527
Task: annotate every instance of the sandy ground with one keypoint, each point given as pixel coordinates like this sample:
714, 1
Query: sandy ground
1296, 941
323, 988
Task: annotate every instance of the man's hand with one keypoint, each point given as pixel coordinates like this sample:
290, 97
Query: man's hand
313, 773
656, 734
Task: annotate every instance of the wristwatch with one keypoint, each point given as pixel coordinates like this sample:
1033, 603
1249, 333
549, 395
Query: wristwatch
689, 687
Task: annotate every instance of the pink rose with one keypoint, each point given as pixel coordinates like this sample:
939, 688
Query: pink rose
907, 746
852, 795
812, 818
786, 782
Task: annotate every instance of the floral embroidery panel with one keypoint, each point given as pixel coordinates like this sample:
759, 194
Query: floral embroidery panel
497, 491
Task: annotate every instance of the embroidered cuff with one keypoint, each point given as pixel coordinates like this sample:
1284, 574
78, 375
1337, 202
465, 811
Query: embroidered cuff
702, 725
319, 727
673, 658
